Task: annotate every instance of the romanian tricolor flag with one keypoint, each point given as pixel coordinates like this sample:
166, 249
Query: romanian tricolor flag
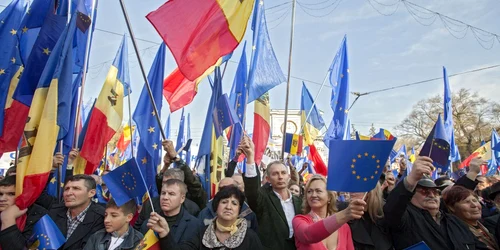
383, 134
51, 100
484, 152
125, 138
199, 32
106, 118
312, 122
261, 127
293, 144
149, 242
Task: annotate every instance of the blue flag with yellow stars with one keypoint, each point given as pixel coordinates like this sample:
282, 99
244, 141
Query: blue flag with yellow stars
224, 115
437, 146
46, 235
148, 150
355, 166
419, 246
126, 183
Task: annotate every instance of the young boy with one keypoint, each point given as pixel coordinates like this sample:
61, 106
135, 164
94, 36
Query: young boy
117, 234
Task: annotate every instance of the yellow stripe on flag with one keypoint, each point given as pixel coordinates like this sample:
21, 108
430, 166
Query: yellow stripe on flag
40, 135
295, 144
237, 13
216, 161
12, 87
110, 100
150, 241
310, 132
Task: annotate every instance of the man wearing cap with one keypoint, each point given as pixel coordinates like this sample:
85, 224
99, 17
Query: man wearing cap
412, 211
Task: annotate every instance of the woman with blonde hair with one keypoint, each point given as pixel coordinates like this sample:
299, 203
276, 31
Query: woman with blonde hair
321, 227
369, 232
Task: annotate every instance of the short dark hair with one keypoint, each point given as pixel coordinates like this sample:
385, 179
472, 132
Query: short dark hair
175, 173
440, 181
128, 207
181, 184
268, 168
11, 170
228, 192
89, 181
456, 194
8, 181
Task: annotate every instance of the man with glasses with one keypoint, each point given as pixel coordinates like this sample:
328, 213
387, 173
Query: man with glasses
412, 211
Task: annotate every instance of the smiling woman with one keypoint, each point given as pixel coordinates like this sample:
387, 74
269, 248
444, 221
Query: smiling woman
465, 205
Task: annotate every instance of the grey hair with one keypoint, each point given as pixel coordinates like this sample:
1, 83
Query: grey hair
175, 173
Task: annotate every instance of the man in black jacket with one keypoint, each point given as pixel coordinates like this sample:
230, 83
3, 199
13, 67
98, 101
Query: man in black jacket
273, 204
413, 213
78, 217
11, 236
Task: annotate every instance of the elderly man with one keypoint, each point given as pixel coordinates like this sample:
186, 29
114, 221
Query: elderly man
413, 212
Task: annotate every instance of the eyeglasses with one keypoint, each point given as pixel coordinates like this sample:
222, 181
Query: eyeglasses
427, 191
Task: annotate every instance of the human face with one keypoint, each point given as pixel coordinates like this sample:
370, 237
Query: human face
228, 210
7, 197
317, 195
278, 176
226, 182
116, 221
469, 210
482, 183
426, 198
295, 190
171, 199
76, 194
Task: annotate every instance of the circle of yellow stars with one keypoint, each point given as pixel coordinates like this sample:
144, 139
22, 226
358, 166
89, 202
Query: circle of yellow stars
444, 147
360, 156
125, 184
46, 237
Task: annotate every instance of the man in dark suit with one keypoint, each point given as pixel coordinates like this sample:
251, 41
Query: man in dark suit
78, 217
273, 204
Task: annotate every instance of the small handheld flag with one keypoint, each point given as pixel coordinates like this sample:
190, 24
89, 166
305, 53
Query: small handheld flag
436, 145
419, 246
355, 166
46, 235
126, 183
224, 115
149, 242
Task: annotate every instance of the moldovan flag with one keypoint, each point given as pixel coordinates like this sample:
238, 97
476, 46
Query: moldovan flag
199, 32
149, 242
51, 103
484, 152
261, 128
106, 118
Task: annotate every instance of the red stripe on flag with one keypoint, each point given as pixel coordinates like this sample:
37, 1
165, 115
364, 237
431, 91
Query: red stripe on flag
319, 165
196, 31
32, 188
13, 127
178, 90
260, 137
98, 135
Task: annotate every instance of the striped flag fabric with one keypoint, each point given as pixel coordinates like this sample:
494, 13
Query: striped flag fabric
293, 144
261, 127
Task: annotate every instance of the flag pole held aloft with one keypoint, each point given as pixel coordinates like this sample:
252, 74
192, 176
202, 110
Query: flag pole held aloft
146, 81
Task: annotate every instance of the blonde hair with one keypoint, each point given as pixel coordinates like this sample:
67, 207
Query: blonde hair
332, 204
375, 203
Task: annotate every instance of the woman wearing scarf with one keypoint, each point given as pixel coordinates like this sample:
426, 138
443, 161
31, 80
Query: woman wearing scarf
464, 204
227, 230
321, 227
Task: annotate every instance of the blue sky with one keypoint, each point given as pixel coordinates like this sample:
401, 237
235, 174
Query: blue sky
384, 51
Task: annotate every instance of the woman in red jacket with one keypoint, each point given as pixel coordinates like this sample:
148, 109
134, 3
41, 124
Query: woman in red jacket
322, 227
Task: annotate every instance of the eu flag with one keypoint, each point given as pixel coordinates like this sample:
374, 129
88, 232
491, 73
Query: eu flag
419, 246
224, 115
180, 134
167, 127
188, 136
148, 150
11, 18
238, 100
436, 145
265, 72
355, 165
126, 183
339, 81
46, 235
448, 120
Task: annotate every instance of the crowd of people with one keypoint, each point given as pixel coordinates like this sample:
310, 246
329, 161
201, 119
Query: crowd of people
267, 207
